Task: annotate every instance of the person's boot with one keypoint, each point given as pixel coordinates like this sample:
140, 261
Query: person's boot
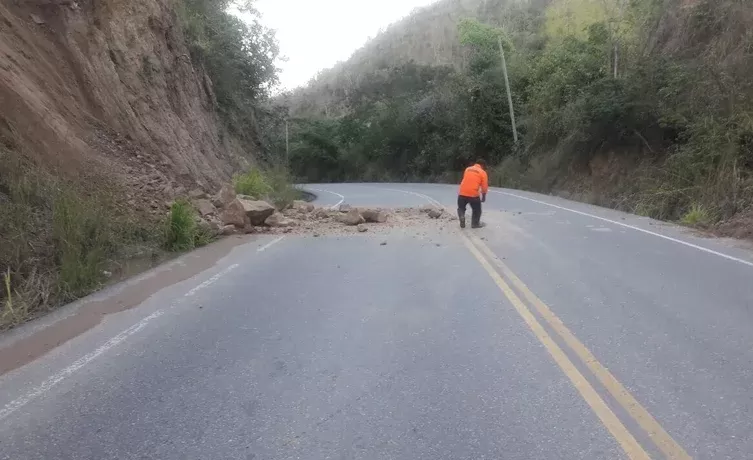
461, 217
476, 221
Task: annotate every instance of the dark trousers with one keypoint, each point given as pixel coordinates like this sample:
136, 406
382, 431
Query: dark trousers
475, 202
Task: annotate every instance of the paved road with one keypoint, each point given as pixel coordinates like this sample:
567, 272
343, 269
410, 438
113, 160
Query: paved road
559, 331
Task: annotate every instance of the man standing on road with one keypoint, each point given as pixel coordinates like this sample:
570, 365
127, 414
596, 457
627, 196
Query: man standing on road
473, 190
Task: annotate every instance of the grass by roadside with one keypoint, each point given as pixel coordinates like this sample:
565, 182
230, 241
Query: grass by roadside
274, 184
668, 189
61, 240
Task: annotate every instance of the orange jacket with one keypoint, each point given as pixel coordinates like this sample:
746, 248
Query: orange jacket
474, 178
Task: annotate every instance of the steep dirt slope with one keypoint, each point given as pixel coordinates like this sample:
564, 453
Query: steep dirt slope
108, 86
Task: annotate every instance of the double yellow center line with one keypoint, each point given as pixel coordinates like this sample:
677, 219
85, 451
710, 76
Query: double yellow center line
663, 441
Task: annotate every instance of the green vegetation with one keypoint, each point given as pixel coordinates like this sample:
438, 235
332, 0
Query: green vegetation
238, 57
59, 241
182, 231
274, 184
656, 91
252, 183
697, 216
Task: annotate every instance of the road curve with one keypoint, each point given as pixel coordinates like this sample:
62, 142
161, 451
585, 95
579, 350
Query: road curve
560, 330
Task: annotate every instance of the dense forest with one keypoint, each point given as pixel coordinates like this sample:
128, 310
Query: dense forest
643, 105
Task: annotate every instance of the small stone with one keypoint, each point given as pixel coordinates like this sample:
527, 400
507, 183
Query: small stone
383, 243
196, 194
362, 228
345, 207
278, 220
435, 213
228, 230
37, 20
321, 213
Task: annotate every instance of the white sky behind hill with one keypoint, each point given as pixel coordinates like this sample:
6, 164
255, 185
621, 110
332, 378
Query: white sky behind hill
316, 34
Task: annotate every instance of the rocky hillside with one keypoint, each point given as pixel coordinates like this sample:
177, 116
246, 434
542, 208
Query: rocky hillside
108, 86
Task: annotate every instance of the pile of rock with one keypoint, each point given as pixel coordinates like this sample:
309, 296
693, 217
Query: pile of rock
228, 213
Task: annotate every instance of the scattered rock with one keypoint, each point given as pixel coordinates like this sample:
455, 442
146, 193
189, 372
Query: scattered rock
426, 208
362, 228
224, 197
352, 217
228, 230
374, 215
249, 229
204, 207
196, 194
303, 206
37, 20
278, 220
345, 207
435, 213
383, 243
321, 213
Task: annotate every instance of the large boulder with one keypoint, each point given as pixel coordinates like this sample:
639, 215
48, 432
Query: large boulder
224, 197
234, 214
204, 207
352, 217
256, 211
278, 220
374, 215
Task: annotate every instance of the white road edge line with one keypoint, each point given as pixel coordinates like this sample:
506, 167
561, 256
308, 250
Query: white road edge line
268, 245
342, 198
48, 384
632, 227
210, 280
78, 364
420, 195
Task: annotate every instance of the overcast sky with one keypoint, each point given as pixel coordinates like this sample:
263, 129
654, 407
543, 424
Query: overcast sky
316, 34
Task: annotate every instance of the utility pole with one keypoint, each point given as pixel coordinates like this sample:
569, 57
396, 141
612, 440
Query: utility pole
509, 94
287, 144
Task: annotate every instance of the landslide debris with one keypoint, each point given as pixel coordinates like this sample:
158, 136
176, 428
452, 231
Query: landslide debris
239, 214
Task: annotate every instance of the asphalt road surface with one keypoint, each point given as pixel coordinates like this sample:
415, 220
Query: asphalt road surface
558, 331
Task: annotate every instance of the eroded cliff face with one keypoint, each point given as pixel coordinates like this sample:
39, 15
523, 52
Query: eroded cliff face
108, 86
